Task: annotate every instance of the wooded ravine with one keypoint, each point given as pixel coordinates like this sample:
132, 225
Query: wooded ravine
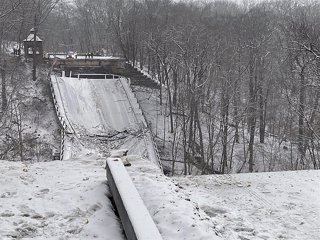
240, 83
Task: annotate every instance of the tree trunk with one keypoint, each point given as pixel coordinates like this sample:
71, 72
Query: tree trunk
3, 87
236, 117
252, 109
236, 100
175, 87
159, 78
18, 120
301, 110
185, 154
200, 139
261, 115
225, 119
169, 97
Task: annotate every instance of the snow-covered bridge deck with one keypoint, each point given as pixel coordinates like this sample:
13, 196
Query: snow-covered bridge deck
97, 106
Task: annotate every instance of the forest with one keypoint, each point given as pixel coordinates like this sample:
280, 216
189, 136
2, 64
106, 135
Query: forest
240, 83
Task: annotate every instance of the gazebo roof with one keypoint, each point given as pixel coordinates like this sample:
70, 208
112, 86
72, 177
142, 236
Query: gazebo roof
30, 38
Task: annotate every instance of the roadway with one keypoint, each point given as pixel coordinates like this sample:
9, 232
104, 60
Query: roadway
95, 106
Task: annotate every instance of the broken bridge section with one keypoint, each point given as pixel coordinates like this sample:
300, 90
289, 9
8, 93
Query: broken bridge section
103, 110
97, 106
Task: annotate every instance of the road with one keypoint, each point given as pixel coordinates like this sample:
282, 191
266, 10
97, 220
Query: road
95, 106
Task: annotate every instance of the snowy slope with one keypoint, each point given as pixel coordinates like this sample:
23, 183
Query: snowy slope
66, 200
170, 207
261, 206
278, 205
56, 200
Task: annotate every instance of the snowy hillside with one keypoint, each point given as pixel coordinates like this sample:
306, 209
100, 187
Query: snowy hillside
280, 205
69, 200
56, 200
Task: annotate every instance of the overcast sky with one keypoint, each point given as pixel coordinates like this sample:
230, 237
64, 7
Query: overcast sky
242, 1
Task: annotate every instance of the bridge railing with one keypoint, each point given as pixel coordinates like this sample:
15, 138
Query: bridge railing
97, 76
135, 218
149, 138
62, 122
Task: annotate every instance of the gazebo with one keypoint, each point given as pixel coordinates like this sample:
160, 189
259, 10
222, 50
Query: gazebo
30, 44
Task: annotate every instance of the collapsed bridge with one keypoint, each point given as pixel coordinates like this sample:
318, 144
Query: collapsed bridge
105, 107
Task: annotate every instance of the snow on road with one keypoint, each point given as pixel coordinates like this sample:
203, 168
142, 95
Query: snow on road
56, 200
170, 207
95, 106
259, 206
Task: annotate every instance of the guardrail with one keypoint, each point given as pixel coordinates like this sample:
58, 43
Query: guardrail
63, 124
98, 76
135, 218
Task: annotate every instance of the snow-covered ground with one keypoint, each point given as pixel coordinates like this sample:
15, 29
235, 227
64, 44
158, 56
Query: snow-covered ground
170, 207
69, 199
277, 205
280, 205
56, 200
